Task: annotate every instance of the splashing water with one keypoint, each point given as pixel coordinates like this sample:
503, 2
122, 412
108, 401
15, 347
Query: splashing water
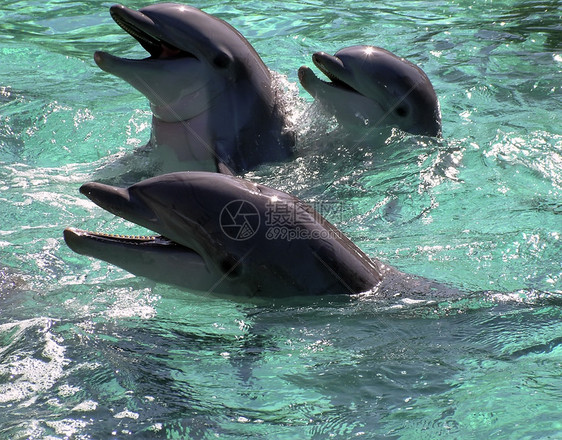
89, 351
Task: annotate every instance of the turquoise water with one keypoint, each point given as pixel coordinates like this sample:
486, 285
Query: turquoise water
88, 351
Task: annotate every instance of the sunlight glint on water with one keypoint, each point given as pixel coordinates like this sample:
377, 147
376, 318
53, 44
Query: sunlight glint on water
90, 351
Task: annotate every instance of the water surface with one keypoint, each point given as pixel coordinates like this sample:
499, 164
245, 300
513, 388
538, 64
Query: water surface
88, 351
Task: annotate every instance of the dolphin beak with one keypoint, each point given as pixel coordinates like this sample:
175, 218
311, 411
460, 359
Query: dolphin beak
139, 26
306, 78
168, 257
133, 206
330, 66
110, 198
119, 202
99, 192
148, 33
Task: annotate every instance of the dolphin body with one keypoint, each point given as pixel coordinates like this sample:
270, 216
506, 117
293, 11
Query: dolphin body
372, 87
224, 235
210, 93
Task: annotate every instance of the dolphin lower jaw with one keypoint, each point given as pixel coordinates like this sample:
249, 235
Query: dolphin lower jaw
152, 257
144, 30
162, 260
345, 103
352, 107
315, 86
80, 240
338, 97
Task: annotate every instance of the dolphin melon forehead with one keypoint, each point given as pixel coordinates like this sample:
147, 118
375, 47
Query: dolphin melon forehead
186, 26
382, 64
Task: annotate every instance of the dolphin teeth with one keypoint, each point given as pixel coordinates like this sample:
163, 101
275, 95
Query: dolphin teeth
148, 42
155, 46
335, 80
138, 238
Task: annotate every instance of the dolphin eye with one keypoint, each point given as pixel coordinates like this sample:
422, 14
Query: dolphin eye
222, 61
402, 111
231, 267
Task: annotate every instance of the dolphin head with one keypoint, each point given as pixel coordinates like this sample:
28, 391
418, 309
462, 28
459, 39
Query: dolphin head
223, 234
193, 58
372, 86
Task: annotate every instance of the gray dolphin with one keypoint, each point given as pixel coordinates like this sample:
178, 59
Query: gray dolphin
370, 86
225, 235
210, 93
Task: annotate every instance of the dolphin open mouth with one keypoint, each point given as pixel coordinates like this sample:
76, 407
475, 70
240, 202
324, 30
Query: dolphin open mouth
332, 67
144, 30
154, 256
125, 240
118, 202
97, 244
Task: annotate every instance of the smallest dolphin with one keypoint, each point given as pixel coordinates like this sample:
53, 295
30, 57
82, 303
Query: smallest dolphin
370, 86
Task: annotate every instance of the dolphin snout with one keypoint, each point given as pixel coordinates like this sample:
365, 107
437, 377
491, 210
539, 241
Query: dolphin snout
303, 72
112, 199
102, 193
318, 56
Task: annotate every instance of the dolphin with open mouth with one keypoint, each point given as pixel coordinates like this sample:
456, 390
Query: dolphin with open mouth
210, 93
224, 235
370, 86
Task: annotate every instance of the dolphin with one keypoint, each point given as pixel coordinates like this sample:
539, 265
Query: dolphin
370, 86
210, 93
225, 235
